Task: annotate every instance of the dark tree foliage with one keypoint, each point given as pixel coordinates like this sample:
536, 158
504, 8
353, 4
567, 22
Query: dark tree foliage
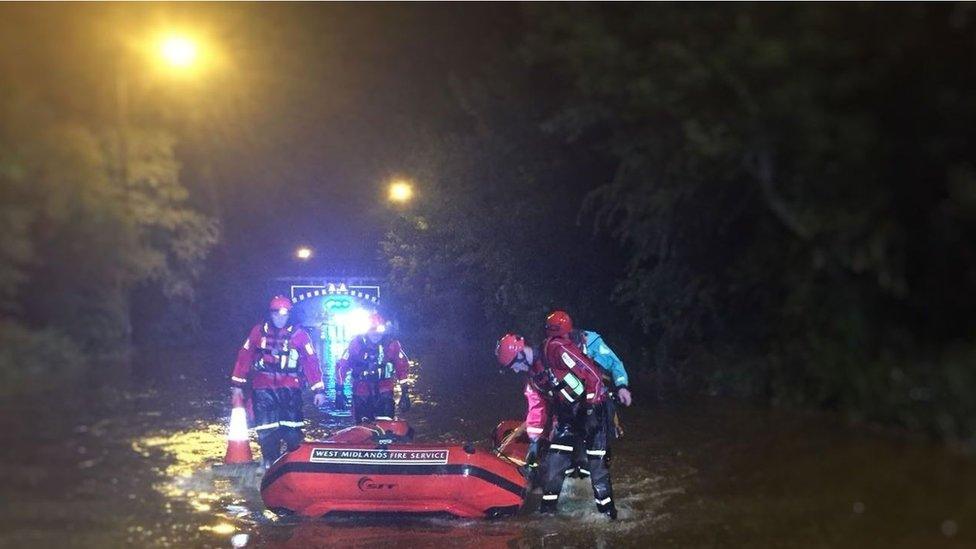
792, 185
795, 186
92, 207
493, 242
87, 224
80, 238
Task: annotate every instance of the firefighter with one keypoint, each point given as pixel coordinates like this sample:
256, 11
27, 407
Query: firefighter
595, 347
615, 376
277, 356
564, 384
376, 362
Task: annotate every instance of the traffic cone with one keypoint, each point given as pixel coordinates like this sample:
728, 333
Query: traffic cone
238, 443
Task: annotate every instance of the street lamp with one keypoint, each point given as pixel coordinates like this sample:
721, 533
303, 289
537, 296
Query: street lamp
401, 191
178, 51
303, 253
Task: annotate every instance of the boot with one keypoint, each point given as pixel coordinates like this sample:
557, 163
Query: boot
548, 507
608, 509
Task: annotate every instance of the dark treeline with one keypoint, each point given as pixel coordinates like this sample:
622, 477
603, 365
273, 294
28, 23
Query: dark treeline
770, 201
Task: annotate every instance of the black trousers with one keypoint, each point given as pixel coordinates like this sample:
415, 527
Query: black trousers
368, 408
579, 428
278, 418
579, 467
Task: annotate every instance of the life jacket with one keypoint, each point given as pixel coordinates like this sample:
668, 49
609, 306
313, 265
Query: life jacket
565, 390
571, 383
372, 364
276, 354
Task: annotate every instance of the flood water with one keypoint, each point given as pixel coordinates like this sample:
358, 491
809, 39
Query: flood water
130, 464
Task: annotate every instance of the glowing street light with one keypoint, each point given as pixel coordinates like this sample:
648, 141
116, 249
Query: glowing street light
401, 191
304, 253
178, 51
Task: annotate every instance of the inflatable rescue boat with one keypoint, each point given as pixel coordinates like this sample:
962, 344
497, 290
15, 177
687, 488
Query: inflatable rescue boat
376, 468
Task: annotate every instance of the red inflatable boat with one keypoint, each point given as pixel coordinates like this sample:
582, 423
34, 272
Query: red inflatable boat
376, 468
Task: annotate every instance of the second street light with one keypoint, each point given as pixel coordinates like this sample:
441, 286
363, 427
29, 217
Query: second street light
303, 253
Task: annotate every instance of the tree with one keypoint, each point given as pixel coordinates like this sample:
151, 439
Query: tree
494, 241
781, 178
79, 241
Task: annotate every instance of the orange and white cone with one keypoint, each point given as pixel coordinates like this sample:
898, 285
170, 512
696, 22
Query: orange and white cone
238, 443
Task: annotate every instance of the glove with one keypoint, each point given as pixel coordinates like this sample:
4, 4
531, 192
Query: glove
404, 399
532, 456
319, 400
623, 395
340, 401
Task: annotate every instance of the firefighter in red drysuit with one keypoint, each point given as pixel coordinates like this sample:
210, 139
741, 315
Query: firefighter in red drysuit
564, 385
276, 356
375, 362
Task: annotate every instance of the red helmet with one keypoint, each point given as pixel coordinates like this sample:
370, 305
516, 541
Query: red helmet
508, 349
558, 323
280, 302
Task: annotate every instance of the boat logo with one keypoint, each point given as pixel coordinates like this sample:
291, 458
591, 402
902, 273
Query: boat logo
366, 483
380, 456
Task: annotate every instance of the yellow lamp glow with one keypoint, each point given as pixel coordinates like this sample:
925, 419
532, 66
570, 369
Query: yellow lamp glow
178, 51
400, 191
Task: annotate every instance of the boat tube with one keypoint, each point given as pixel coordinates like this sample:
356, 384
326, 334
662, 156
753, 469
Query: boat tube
377, 468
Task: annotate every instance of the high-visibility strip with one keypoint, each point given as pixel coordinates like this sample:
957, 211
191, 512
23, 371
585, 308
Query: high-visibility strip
596, 452
238, 379
292, 423
590, 395
604, 501
387, 418
562, 447
317, 386
266, 426
534, 429
570, 470
550, 497
584, 471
